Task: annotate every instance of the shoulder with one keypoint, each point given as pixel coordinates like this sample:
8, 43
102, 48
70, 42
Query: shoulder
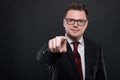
91, 43
93, 47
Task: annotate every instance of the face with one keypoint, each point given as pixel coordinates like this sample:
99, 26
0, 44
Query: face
75, 23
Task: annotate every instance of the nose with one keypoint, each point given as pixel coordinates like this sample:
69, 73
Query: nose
76, 24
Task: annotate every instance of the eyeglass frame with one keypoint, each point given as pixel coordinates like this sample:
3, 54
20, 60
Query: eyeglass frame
76, 20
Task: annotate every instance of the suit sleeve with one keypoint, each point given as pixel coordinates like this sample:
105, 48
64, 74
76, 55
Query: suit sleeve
44, 56
101, 71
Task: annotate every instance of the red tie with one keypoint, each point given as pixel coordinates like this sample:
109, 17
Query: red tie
77, 58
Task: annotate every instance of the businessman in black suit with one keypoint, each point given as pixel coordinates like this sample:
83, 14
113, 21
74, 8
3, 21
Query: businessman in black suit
73, 57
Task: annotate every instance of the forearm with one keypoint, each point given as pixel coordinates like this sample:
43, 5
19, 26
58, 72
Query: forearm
45, 56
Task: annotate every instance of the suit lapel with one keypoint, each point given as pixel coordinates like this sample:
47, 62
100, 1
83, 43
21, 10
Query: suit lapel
87, 47
71, 59
87, 58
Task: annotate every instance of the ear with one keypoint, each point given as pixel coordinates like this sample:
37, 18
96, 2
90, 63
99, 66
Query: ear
86, 24
64, 22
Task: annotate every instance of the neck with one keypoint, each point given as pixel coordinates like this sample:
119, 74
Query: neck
74, 38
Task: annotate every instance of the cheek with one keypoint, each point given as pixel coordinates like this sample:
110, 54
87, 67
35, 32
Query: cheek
67, 27
83, 29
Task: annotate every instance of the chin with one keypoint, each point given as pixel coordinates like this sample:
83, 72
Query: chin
75, 35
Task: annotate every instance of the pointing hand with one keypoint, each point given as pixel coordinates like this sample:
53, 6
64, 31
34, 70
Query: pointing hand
58, 44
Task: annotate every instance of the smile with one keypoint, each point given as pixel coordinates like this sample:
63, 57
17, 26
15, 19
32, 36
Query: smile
75, 30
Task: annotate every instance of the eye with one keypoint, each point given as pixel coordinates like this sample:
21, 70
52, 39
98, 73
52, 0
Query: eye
70, 20
82, 21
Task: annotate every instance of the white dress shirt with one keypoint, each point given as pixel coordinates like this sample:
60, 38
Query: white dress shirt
81, 52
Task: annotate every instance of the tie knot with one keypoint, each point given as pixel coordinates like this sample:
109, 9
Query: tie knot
75, 44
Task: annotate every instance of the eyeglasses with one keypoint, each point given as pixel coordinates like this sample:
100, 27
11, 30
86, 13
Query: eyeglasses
80, 22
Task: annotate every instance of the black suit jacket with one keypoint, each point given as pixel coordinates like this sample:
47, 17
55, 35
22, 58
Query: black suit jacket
62, 65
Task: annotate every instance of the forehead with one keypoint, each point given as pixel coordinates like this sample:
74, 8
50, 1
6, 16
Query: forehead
76, 14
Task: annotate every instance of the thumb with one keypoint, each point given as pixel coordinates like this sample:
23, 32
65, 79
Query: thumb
63, 40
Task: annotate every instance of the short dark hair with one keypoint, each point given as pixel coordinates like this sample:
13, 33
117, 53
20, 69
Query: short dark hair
76, 6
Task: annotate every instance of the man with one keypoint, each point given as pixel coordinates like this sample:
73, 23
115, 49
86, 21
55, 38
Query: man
73, 57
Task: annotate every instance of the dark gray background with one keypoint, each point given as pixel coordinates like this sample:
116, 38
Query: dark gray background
26, 24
